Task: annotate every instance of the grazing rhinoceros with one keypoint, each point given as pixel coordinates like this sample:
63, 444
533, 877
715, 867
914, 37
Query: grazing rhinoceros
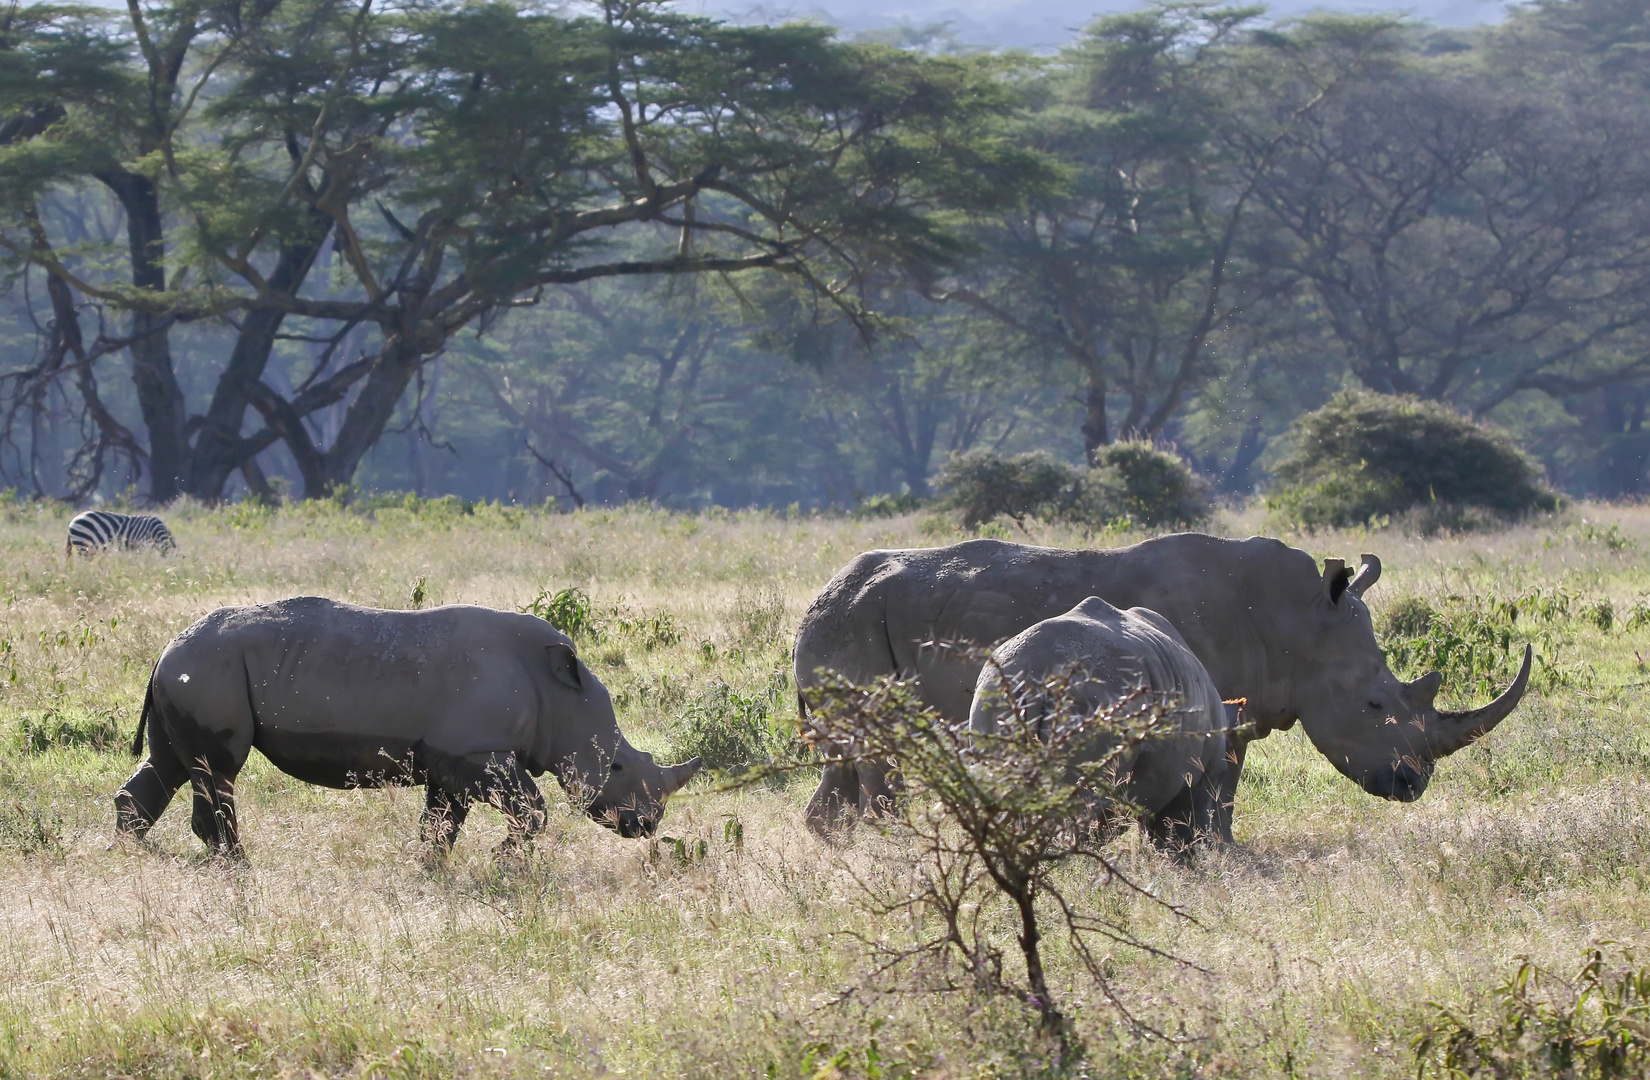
1266, 624
468, 701
1110, 657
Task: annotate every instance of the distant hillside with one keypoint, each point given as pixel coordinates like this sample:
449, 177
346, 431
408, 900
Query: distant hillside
1043, 24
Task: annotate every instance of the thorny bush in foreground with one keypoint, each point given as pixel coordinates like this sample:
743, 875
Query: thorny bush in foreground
988, 824
1541, 1025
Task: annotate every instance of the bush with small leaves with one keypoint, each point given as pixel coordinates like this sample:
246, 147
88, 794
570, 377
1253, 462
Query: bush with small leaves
1537, 1024
1134, 481
1142, 483
735, 732
982, 486
56, 731
1366, 456
568, 610
982, 845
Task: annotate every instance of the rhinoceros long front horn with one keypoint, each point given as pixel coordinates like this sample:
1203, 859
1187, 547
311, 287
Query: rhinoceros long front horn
675, 777
1458, 729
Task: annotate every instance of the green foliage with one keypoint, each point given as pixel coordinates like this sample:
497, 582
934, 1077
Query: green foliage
651, 630
1365, 456
1133, 482
1478, 642
27, 830
981, 486
885, 505
1538, 1025
568, 610
1144, 484
735, 732
57, 730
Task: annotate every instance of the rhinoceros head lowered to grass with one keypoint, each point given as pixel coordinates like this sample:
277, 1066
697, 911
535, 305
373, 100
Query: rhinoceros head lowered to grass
1381, 732
632, 799
620, 786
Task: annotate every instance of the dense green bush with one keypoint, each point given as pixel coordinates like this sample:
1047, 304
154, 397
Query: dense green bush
56, 730
1133, 482
1538, 1024
1145, 484
982, 486
734, 731
1364, 456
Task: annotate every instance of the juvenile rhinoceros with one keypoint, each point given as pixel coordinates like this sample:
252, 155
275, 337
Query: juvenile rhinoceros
471, 702
1134, 658
1266, 624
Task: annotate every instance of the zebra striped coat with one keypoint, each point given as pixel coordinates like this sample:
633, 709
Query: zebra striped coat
96, 530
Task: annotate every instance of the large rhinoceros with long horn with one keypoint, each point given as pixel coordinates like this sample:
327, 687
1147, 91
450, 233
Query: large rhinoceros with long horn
471, 702
1269, 627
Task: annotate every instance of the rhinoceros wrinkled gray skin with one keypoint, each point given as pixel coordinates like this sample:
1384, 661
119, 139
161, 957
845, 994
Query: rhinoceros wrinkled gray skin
1269, 627
471, 702
1135, 658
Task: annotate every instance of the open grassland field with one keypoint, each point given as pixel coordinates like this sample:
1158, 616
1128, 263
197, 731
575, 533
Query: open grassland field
338, 951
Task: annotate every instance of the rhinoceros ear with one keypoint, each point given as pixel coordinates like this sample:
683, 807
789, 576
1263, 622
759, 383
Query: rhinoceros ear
1335, 579
564, 665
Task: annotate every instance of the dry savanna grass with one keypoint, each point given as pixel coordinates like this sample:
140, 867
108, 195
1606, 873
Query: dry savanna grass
338, 951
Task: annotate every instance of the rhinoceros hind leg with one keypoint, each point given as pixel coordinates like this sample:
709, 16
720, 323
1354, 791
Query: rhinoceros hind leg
838, 790
444, 814
141, 800
1173, 828
214, 817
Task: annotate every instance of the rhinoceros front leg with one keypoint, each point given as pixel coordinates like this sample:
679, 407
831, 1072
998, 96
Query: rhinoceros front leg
1235, 749
838, 791
515, 795
444, 814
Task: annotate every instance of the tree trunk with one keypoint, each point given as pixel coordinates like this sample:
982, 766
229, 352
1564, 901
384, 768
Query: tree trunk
159, 397
218, 449
1053, 1023
1095, 434
368, 414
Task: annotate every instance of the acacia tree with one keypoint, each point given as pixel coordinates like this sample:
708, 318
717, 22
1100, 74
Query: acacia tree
1466, 240
1164, 120
461, 159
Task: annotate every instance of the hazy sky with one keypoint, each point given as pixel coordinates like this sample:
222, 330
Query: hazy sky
1042, 24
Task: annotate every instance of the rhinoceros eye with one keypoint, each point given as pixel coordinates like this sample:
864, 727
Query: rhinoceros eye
1376, 705
615, 767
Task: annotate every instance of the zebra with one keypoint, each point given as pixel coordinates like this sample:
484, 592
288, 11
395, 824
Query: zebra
95, 530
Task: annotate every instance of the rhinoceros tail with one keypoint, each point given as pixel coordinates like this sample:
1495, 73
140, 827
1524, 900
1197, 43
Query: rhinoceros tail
143, 717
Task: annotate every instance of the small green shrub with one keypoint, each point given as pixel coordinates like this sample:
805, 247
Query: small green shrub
650, 630
735, 732
1407, 617
1134, 482
982, 486
1366, 456
1540, 1025
1144, 484
884, 505
568, 610
55, 731
24, 830
1478, 642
